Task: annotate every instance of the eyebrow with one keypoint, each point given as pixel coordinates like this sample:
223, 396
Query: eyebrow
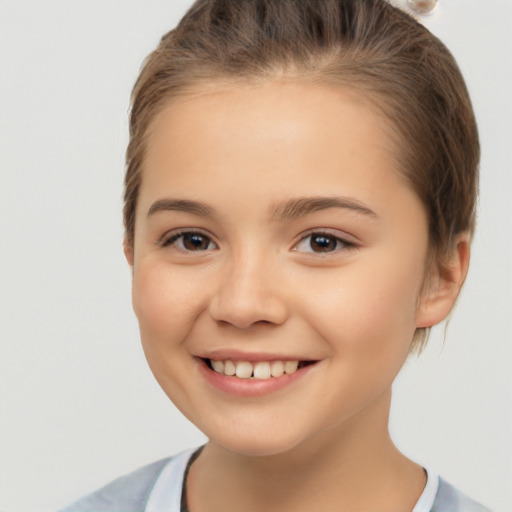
299, 207
180, 205
286, 210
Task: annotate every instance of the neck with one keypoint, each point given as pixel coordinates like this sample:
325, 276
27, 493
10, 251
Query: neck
351, 467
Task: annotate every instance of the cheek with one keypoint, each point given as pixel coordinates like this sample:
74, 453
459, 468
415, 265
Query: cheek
164, 302
369, 313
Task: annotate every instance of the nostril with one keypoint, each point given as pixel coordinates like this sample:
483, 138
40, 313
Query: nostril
244, 300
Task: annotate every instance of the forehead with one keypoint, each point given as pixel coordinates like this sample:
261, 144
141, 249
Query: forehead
290, 98
272, 115
273, 138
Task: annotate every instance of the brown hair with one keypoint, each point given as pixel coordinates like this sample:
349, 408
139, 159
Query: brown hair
367, 46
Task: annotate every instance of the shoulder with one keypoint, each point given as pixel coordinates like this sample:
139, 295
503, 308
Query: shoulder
450, 499
128, 493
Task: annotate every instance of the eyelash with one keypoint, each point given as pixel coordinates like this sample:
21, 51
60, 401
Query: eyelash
340, 244
173, 238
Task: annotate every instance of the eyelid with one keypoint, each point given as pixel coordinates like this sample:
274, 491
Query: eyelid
350, 242
172, 235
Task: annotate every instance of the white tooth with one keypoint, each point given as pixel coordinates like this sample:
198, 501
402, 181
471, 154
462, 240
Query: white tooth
218, 366
262, 370
276, 368
229, 368
291, 366
243, 369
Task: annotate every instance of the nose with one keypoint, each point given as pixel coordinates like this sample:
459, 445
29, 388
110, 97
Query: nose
249, 292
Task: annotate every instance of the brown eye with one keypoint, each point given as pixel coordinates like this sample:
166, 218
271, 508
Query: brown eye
195, 242
323, 243
190, 241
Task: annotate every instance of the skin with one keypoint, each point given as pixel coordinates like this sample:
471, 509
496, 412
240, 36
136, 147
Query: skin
258, 284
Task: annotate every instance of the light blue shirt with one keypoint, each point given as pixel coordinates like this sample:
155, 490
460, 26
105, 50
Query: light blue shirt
158, 488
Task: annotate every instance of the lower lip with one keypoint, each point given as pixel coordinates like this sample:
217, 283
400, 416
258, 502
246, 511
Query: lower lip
250, 387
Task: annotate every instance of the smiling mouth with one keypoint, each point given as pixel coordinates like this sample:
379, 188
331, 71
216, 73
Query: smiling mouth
261, 370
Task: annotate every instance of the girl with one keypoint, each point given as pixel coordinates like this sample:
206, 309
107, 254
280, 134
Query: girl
299, 204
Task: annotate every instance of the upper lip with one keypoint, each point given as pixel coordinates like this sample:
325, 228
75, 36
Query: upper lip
241, 355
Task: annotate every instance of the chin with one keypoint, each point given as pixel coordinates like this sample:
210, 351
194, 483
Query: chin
257, 444
254, 447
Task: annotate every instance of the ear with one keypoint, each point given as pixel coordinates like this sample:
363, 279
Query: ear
128, 251
444, 284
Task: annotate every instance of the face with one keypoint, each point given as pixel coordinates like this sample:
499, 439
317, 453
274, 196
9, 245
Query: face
274, 234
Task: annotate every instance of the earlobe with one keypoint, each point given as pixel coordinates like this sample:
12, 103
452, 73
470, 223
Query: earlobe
444, 285
128, 251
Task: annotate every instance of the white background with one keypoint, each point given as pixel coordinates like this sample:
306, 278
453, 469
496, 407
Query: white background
78, 406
